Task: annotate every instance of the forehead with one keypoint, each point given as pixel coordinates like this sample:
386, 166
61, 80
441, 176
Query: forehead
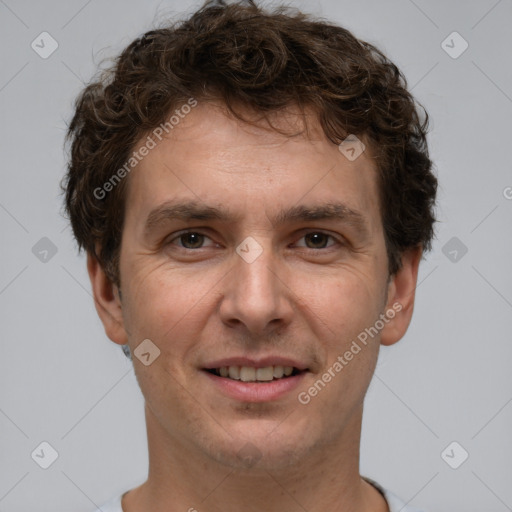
208, 156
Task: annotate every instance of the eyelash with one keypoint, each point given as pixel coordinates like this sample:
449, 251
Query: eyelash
187, 232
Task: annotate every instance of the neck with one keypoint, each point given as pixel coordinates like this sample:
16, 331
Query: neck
182, 477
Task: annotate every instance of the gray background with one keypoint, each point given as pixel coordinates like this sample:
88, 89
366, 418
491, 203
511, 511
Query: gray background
62, 381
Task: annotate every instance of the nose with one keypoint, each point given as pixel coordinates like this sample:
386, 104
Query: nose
256, 296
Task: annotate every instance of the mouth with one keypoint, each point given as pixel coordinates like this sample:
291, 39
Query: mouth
252, 374
254, 383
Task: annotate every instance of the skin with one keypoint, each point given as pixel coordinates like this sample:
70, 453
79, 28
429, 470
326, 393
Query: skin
303, 297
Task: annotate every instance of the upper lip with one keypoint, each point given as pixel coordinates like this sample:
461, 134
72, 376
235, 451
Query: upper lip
255, 363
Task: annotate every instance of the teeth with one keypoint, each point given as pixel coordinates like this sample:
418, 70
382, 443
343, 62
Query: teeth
278, 372
266, 373
251, 374
247, 374
234, 372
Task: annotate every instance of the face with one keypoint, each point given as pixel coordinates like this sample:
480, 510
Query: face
246, 248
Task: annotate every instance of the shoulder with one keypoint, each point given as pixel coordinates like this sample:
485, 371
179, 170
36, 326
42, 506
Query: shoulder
114, 505
395, 504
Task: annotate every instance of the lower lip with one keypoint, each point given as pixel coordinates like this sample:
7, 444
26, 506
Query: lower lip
256, 391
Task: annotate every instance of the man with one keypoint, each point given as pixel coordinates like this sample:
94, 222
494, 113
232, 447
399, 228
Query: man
254, 193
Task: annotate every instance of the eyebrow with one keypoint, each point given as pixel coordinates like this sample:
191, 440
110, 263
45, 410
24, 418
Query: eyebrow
193, 210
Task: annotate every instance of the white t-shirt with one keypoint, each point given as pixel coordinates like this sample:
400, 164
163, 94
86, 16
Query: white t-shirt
395, 504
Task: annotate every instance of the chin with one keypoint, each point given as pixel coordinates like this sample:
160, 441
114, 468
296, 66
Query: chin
262, 444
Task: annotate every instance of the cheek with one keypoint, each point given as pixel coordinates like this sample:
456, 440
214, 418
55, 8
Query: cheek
165, 304
345, 301
343, 308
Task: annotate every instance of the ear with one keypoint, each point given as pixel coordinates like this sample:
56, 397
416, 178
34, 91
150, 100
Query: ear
400, 301
107, 301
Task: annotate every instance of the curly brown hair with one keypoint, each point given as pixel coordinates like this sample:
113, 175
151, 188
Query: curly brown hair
261, 61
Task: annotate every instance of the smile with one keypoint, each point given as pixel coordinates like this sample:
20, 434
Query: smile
251, 374
249, 384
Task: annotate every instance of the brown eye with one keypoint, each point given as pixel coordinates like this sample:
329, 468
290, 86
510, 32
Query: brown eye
191, 240
317, 240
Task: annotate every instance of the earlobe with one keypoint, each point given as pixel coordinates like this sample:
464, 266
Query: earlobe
401, 294
107, 301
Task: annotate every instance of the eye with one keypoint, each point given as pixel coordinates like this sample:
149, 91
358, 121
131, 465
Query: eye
317, 240
189, 240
